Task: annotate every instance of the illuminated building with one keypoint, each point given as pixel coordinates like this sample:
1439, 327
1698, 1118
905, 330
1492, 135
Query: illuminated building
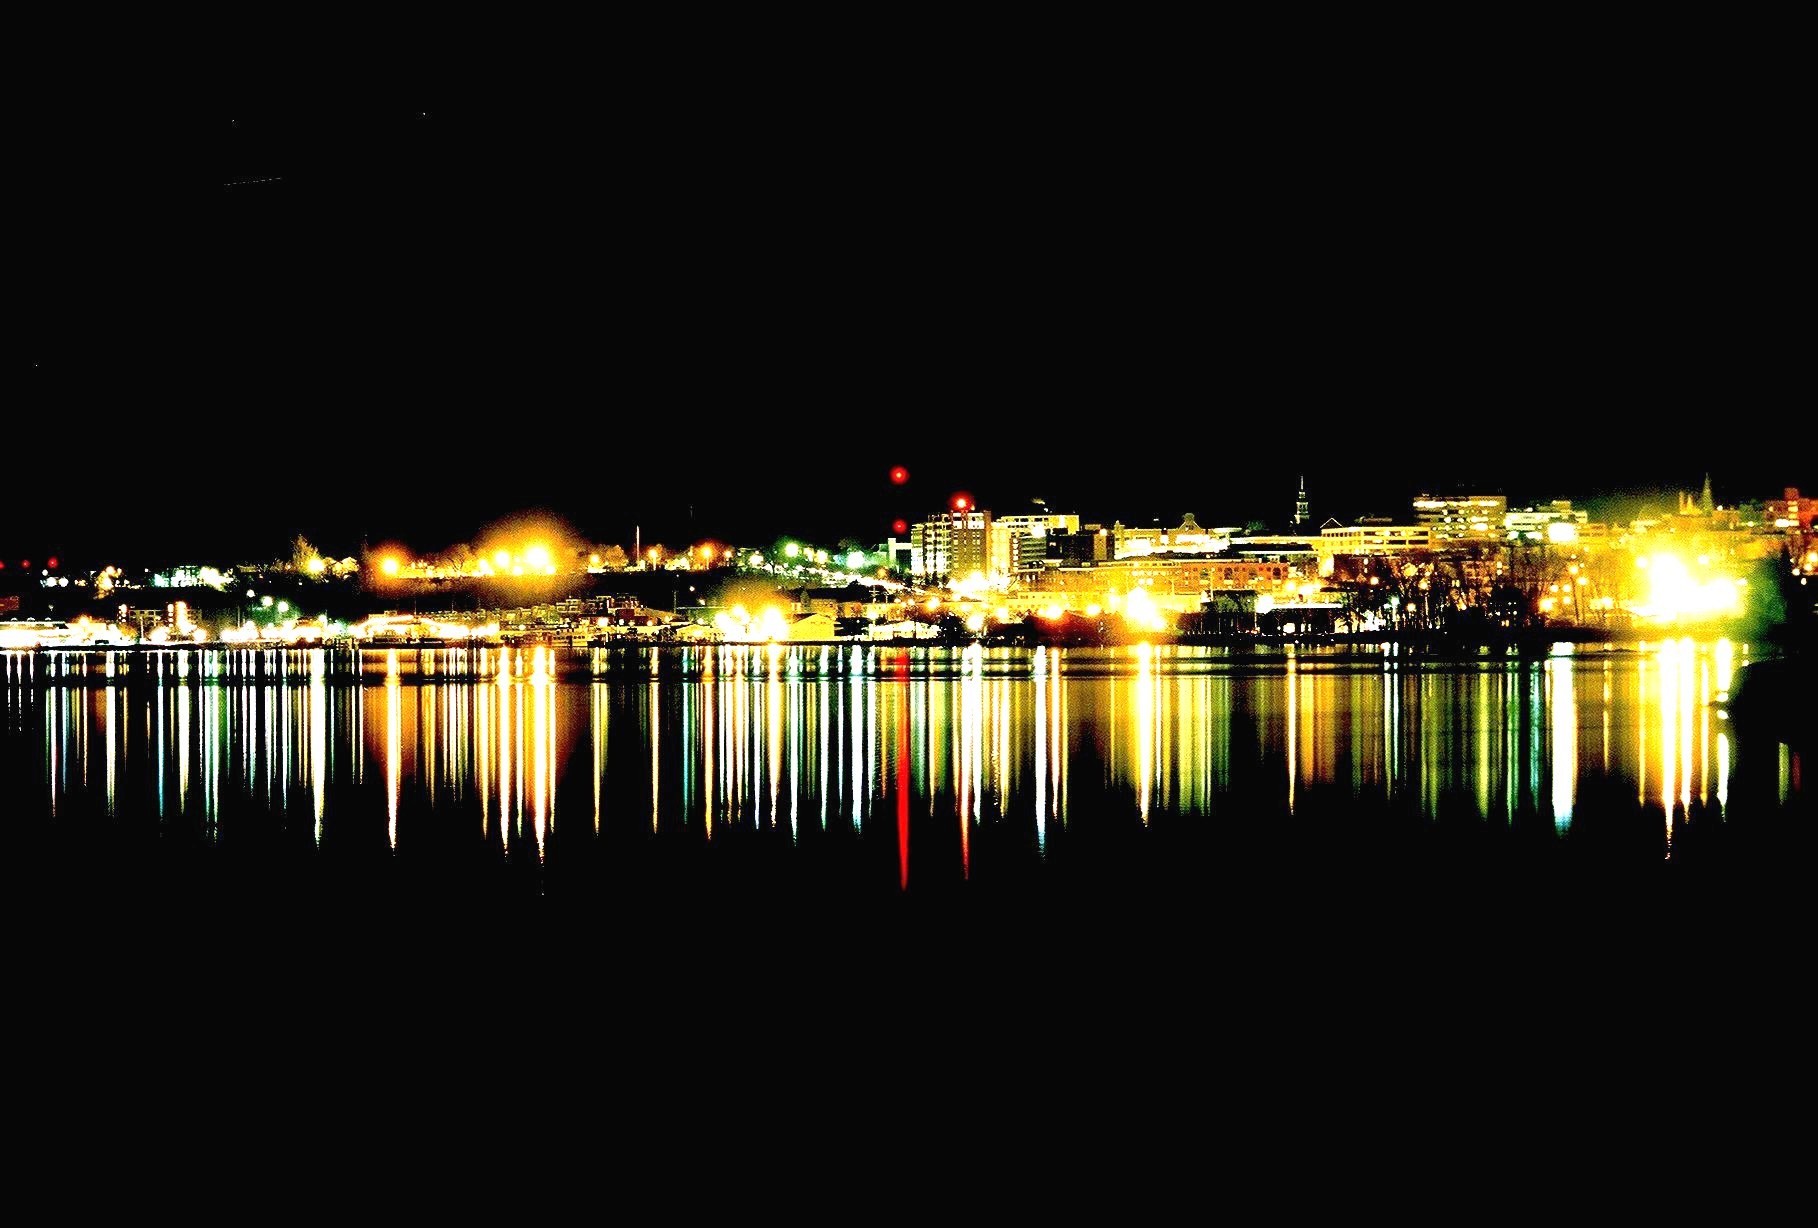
1544, 523
1185, 538
1375, 538
1302, 515
1790, 511
1451, 517
898, 553
1176, 584
953, 544
853, 601
1087, 544
1020, 540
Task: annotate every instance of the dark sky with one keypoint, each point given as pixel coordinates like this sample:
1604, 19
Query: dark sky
1135, 280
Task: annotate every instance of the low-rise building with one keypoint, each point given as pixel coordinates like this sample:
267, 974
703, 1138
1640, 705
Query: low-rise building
1451, 517
1375, 538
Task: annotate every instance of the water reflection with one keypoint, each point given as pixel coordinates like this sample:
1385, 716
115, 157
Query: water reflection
941, 745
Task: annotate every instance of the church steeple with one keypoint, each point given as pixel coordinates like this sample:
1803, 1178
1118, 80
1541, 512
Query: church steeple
1301, 515
1704, 496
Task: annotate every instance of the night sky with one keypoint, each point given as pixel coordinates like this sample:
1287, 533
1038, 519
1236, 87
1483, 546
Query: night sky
1131, 288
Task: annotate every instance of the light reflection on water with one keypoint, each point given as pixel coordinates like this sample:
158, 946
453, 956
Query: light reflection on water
780, 738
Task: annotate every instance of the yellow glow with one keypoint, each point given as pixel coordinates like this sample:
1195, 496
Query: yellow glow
975, 623
972, 585
1675, 595
315, 567
593, 560
1562, 532
934, 603
1094, 610
1051, 612
1141, 612
654, 554
736, 626
389, 565
501, 559
536, 556
792, 550
1002, 614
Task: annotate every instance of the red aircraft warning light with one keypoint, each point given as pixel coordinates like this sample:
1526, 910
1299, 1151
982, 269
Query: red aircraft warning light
899, 475
899, 527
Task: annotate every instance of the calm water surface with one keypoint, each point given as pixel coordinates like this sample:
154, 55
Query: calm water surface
889, 769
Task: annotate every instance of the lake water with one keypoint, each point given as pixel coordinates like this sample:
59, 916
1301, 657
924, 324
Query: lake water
868, 771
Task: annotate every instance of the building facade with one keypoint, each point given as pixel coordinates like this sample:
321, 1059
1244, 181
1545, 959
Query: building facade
951, 545
1022, 539
1375, 538
1451, 517
1537, 524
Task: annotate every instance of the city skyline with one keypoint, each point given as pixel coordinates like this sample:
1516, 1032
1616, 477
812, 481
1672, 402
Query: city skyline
711, 499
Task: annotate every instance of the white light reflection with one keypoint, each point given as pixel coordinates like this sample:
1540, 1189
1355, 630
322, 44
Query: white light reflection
394, 750
971, 754
183, 739
542, 757
597, 728
111, 738
318, 739
855, 737
1145, 727
773, 724
1293, 724
653, 707
502, 696
1564, 739
1041, 749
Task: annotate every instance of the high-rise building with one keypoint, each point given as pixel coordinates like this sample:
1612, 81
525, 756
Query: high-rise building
1022, 538
1302, 516
1452, 517
951, 545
